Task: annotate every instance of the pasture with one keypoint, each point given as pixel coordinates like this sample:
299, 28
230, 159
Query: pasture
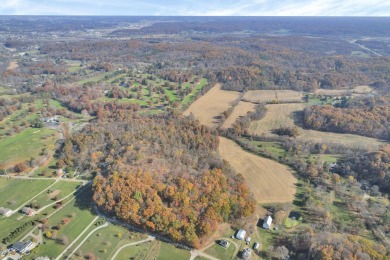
284, 115
24, 145
272, 96
240, 110
209, 107
269, 181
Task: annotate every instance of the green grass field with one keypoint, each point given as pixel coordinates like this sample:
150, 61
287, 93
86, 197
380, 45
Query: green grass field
58, 191
17, 192
104, 242
168, 252
190, 97
27, 144
220, 252
137, 252
273, 148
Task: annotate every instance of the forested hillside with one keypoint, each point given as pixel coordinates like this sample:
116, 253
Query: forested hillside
160, 173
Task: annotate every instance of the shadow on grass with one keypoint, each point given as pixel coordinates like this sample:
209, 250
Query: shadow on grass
83, 198
300, 197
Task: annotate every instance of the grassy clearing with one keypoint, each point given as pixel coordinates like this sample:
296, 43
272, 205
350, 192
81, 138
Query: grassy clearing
267, 238
221, 252
208, 108
168, 252
27, 144
270, 182
275, 149
17, 192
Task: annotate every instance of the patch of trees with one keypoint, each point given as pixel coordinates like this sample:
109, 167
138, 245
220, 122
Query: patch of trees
289, 131
373, 167
160, 173
368, 118
17, 232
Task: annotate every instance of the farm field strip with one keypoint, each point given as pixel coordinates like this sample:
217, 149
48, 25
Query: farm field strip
270, 96
211, 105
269, 181
240, 110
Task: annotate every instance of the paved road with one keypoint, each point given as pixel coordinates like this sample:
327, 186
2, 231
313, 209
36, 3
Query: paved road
150, 238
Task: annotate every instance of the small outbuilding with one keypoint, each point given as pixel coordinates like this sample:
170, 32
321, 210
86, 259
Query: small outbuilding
5, 212
29, 211
267, 222
241, 234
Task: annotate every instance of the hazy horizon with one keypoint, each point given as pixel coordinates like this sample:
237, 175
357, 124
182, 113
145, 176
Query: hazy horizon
347, 8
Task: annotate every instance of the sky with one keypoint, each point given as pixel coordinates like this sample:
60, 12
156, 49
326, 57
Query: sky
198, 7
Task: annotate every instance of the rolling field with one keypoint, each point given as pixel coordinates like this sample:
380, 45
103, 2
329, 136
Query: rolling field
211, 105
282, 115
270, 182
258, 96
23, 146
333, 92
240, 110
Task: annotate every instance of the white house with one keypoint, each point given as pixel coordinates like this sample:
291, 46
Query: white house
241, 234
267, 222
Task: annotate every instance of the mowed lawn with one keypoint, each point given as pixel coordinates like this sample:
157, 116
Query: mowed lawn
80, 215
269, 181
56, 192
10, 224
221, 252
154, 250
23, 146
104, 242
16, 192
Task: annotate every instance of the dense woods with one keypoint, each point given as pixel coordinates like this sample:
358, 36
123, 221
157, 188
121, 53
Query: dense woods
369, 117
373, 167
160, 173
